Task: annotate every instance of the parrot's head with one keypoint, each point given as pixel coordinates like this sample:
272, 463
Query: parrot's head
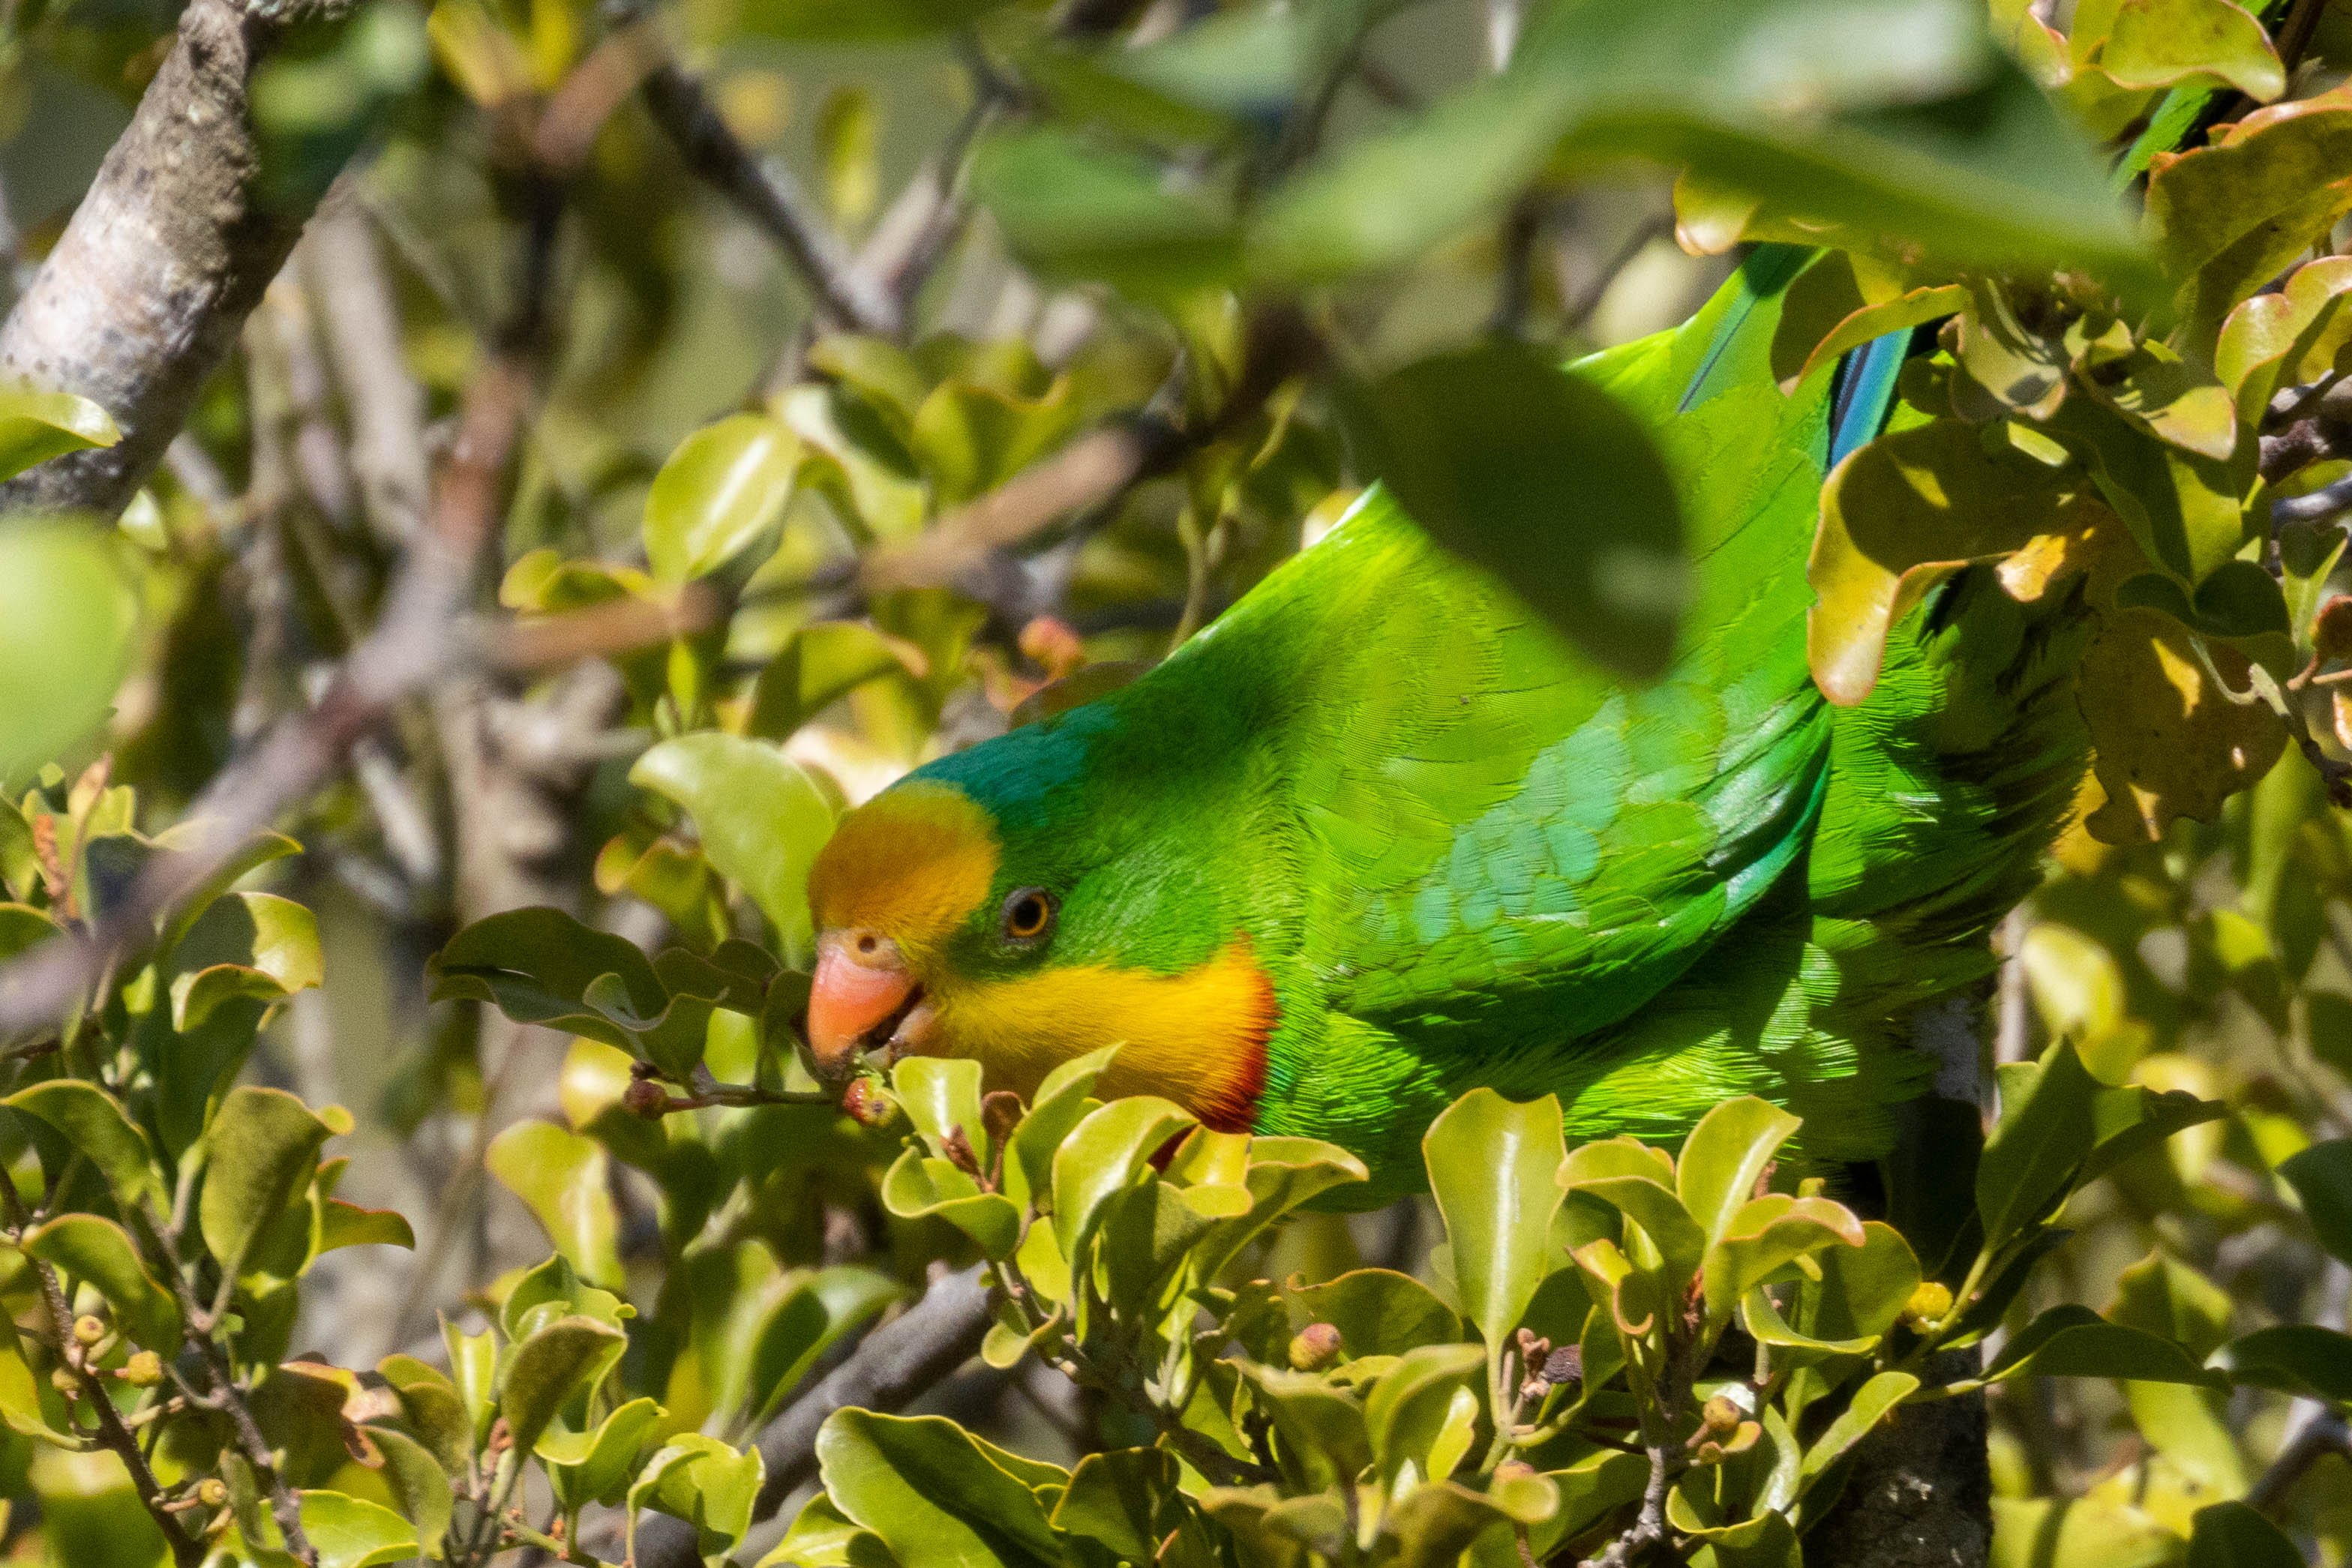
1008, 906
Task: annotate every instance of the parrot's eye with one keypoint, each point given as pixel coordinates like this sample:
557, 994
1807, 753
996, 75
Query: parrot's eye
1028, 914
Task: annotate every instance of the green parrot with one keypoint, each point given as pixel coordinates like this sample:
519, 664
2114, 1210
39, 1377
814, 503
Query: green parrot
1379, 835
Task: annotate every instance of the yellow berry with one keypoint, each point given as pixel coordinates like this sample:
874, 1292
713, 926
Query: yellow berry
1928, 1304
87, 1330
212, 1491
143, 1370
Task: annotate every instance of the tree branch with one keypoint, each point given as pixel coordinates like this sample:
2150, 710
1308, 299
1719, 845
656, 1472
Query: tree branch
762, 191
163, 260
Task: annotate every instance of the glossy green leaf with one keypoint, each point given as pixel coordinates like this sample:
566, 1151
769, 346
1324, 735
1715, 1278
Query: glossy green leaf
101, 1252
67, 615
1409, 1406
265, 1147
1060, 1101
1378, 1311
1324, 1437
2075, 1342
834, 1301
2233, 1535
474, 1361
566, 1180
822, 1537
823, 664
1899, 514
544, 1370
1634, 1178
760, 819
1121, 1499
724, 484
1491, 1169
704, 1482
1724, 1158
2322, 1176
1911, 127
1103, 1154
344, 1224
595, 1465
2293, 1358
2164, 1296
351, 1532
95, 1123
536, 965
1873, 1402
554, 1290
433, 1410
419, 1486
2232, 214
939, 1497
1540, 476
1765, 1235
36, 426
1436, 1525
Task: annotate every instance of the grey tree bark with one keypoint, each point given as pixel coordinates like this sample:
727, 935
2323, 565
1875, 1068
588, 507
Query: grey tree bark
165, 258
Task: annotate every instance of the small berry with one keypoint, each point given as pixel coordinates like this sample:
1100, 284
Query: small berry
87, 1330
1928, 1304
645, 1098
212, 1491
143, 1370
1313, 1347
62, 1379
868, 1102
1722, 1416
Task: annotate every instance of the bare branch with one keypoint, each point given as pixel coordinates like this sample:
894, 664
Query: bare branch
1094, 469
357, 309
411, 644
163, 260
763, 192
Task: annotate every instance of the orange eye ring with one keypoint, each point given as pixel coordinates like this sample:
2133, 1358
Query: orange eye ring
1028, 914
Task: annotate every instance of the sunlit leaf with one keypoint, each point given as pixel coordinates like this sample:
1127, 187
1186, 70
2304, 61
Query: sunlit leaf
88, 1246
760, 819
723, 484
265, 1147
66, 613
1491, 1169
351, 1532
565, 1178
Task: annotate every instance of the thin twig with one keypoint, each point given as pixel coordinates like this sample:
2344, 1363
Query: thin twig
764, 192
112, 1434
1094, 469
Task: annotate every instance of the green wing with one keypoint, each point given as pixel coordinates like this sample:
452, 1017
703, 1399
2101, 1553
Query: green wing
1506, 848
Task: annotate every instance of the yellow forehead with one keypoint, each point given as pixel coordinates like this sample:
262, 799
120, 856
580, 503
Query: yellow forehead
910, 863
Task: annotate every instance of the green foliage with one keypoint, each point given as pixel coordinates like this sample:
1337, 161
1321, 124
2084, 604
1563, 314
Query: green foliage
1281, 257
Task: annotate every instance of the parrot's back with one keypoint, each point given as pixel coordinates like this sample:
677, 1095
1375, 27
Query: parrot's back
1485, 861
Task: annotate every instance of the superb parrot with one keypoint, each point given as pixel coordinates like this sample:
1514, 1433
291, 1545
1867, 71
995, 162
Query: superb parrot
1377, 834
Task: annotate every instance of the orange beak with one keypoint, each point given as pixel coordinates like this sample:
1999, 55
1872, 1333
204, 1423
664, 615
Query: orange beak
862, 983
